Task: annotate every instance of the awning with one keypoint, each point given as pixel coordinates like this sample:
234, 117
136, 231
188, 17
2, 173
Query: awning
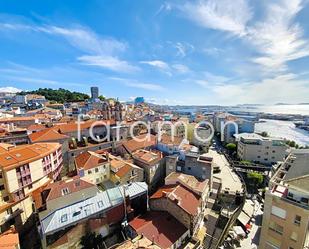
243, 218
239, 231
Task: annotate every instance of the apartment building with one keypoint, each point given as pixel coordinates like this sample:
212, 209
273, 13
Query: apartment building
229, 125
264, 150
184, 197
200, 166
151, 162
123, 172
286, 207
22, 170
93, 167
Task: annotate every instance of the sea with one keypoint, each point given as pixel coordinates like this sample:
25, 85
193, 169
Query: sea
275, 128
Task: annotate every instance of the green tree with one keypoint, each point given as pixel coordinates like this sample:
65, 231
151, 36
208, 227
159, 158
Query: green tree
60, 95
256, 178
231, 147
102, 98
91, 241
264, 134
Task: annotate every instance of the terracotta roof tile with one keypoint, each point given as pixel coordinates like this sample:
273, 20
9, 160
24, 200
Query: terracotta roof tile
89, 159
167, 139
133, 145
23, 154
159, 227
49, 134
72, 185
9, 239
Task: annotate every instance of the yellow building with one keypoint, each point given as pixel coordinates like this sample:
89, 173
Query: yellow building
286, 207
93, 167
123, 172
24, 169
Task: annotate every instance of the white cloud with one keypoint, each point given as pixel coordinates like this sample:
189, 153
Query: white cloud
183, 48
213, 51
208, 80
164, 7
103, 52
86, 40
284, 88
138, 84
180, 68
10, 89
145, 86
157, 63
277, 38
224, 15
107, 62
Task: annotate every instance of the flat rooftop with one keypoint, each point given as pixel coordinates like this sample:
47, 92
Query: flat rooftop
230, 180
73, 214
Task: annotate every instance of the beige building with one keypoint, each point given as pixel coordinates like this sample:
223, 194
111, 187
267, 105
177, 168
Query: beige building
286, 207
24, 169
123, 172
151, 162
264, 150
93, 167
184, 197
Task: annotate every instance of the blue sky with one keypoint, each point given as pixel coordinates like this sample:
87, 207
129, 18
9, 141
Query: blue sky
170, 52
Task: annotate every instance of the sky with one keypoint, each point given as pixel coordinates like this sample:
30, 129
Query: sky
195, 52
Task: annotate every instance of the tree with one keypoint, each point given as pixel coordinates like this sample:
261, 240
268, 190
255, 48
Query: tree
102, 98
61, 95
256, 178
264, 134
91, 241
231, 147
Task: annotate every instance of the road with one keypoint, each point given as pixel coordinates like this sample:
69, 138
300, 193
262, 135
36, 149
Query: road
252, 241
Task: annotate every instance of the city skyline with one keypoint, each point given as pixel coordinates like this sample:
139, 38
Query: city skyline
170, 52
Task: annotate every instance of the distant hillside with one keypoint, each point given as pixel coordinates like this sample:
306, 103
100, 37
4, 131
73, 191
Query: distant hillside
60, 95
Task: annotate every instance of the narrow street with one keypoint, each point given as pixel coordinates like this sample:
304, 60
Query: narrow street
252, 240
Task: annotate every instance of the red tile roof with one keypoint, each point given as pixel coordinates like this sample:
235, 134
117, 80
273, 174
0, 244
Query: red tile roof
183, 197
148, 157
72, 127
73, 185
159, 227
124, 170
9, 239
89, 159
47, 135
23, 154
133, 145
167, 139
163, 191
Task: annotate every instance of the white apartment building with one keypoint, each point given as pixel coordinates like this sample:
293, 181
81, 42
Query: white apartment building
264, 150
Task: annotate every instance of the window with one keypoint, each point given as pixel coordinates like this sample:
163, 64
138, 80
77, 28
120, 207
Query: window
89, 172
64, 218
297, 220
96, 170
100, 204
189, 168
275, 227
294, 236
30, 186
279, 212
6, 198
65, 191
304, 200
2, 187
